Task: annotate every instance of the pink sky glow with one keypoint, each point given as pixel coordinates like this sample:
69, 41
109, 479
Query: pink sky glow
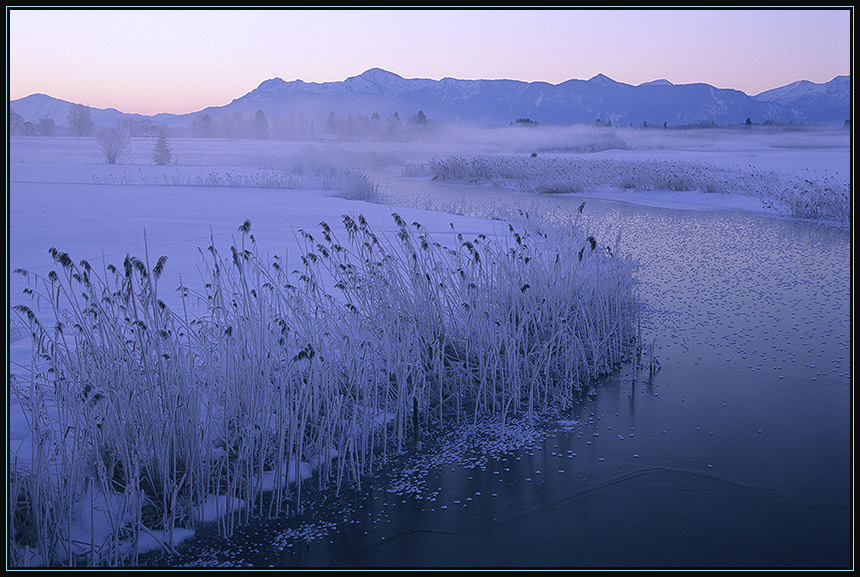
179, 61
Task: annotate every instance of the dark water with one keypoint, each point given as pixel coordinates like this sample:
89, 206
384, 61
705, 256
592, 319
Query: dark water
737, 453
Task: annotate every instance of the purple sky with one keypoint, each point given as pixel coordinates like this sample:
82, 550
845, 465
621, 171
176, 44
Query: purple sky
150, 61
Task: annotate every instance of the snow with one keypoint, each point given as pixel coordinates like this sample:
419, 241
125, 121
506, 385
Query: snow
61, 194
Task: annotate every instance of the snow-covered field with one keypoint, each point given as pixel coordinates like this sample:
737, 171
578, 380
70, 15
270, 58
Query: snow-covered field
63, 196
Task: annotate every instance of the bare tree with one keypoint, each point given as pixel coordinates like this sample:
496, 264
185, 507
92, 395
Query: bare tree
112, 141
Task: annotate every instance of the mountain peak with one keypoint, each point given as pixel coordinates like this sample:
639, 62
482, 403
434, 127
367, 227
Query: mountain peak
790, 91
378, 74
377, 80
603, 80
271, 83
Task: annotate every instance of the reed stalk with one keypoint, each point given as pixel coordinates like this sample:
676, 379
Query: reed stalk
337, 364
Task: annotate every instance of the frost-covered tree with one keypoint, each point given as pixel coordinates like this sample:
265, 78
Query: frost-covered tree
17, 124
261, 126
46, 126
161, 152
112, 141
393, 125
332, 125
139, 128
80, 120
233, 125
203, 126
420, 119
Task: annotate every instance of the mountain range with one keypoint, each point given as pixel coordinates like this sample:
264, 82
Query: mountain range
501, 102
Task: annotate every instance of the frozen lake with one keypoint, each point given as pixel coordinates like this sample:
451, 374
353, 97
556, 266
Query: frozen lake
737, 453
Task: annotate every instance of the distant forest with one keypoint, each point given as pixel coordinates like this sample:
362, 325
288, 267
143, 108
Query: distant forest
234, 125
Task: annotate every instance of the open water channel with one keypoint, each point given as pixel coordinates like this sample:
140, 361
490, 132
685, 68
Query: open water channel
736, 453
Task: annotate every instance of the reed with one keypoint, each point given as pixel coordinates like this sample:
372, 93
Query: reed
815, 197
336, 364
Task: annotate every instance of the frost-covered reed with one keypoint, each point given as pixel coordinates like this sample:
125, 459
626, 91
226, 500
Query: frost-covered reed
565, 174
826, 198
350, 182
151, 414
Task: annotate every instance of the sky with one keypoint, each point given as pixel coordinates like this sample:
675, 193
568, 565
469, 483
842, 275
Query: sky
178, 61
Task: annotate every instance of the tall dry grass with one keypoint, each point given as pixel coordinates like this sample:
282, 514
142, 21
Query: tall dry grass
153, 415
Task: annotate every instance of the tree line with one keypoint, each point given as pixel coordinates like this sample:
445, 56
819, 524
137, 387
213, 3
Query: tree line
79, 123
297, 125
233, 125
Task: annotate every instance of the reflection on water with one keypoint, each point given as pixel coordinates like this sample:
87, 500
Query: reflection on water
736, 453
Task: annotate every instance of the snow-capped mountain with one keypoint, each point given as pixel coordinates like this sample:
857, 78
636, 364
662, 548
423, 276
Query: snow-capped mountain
828, 102
500, 102
503, 101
